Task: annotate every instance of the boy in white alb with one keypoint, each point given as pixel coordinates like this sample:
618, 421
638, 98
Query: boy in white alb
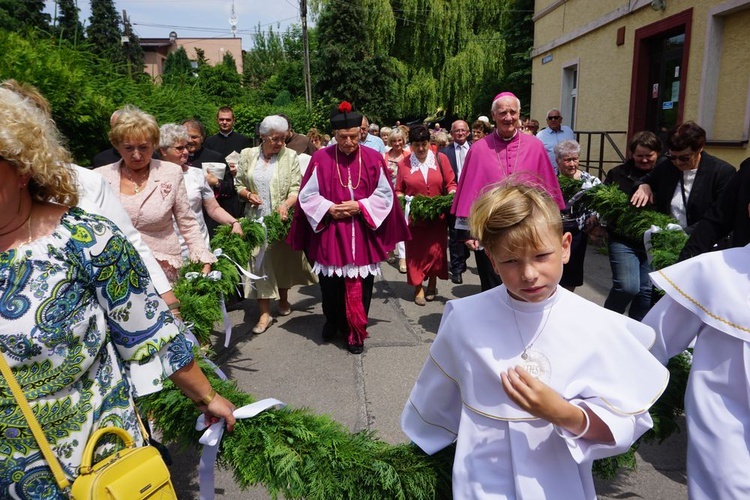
707, 300
531, 381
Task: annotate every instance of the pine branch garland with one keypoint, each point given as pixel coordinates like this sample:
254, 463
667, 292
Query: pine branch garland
297, 454
200, 297
425, 208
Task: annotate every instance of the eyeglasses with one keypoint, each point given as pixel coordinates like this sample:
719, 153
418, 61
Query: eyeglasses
179, 149
680, 158
554, 117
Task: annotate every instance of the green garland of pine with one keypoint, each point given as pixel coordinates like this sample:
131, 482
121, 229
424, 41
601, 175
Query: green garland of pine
201, 297
425, 208
297, 454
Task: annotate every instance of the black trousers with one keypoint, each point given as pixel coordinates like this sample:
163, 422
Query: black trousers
487, 276
333, 290
457, 250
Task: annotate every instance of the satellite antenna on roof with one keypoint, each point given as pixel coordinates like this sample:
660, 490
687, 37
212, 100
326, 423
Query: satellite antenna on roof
233, 22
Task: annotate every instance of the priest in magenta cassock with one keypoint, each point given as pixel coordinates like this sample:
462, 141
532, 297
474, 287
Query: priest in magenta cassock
346, 222
494, 158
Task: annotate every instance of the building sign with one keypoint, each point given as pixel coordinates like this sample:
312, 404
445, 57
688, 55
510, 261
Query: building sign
547, 58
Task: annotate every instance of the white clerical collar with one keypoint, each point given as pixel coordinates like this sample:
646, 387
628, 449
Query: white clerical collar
509, 138
226, 135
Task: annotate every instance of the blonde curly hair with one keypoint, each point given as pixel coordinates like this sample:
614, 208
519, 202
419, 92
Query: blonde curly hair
132, 123
30, 141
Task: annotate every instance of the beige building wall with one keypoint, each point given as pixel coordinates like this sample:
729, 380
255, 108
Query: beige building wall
214, 49
584, 33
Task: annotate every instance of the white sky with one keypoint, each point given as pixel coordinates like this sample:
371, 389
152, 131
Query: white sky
200, 18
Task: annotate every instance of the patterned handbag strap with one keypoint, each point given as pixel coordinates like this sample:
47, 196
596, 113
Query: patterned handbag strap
34, 426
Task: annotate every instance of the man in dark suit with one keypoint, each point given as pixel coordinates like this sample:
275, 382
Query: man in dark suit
456, 152
225, 142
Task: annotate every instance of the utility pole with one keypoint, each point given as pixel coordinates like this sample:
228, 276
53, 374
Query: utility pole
306, 51
126, 39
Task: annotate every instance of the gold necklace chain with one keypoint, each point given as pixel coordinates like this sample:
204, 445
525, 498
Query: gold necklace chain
349, 171
137, 186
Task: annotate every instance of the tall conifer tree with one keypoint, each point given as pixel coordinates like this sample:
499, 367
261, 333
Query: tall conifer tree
68, 24
104, 32
20, 15
349, 66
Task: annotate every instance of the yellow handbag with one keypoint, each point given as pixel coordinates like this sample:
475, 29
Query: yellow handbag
133, 473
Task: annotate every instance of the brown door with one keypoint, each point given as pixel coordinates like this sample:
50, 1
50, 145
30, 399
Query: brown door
659, 74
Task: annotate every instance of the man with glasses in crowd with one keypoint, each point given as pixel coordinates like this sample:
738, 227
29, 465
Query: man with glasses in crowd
554, 134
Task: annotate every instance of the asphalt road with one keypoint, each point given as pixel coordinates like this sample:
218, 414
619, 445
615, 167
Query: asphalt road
290, 362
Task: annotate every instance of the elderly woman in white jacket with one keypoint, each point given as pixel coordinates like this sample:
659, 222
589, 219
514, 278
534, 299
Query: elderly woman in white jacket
268, 177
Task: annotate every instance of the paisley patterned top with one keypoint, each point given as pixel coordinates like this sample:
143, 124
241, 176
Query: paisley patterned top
76, 309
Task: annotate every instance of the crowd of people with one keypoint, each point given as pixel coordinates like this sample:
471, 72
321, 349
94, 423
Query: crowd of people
531, 381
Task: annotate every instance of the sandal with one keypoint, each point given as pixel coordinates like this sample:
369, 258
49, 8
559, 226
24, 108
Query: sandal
419, 297
402, 266
429, 295
285, 312
261, 327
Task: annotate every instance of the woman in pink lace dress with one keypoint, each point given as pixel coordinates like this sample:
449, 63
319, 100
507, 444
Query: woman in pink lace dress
153, 192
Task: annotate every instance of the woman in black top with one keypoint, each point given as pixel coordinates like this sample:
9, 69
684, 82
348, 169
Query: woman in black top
686, 186
631, 285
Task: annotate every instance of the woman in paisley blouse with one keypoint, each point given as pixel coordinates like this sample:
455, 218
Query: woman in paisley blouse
153, 193
81, 326
268, 177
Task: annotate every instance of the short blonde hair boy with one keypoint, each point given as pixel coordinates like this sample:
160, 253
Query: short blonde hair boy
510, 215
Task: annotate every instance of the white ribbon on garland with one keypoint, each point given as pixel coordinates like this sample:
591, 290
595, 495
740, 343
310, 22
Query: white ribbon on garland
407, 207
220, 253
212, 438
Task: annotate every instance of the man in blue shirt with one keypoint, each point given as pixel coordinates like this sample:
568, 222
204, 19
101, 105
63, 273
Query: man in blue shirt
555, 133
369, 140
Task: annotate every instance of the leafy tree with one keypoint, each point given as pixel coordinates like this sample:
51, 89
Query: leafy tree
104, 33
349, 66
275, 64
23, 15
450, 46
69, 26
177, 67
220, 82
78, 85
519, 34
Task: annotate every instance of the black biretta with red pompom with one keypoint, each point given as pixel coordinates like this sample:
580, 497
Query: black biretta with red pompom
344, 117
